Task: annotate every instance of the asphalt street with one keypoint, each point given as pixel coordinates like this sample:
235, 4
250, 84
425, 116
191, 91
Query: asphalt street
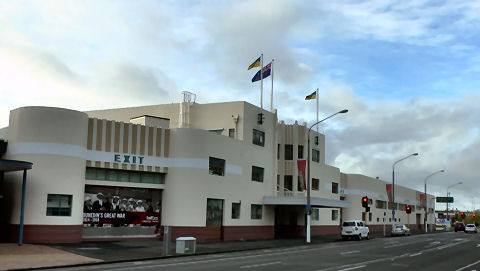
443, 251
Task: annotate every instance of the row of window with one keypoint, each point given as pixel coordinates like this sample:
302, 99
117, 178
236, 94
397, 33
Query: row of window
216, 166
118, 175
288, 155
381, 204
316, 216
288, 184
256, 211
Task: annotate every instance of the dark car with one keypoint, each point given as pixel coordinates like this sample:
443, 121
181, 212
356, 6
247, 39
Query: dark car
459, 226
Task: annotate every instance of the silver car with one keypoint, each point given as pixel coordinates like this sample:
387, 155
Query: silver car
400, 230
470, 228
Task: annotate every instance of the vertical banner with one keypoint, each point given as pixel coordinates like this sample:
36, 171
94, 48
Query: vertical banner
301, 164
389, 192
423, 203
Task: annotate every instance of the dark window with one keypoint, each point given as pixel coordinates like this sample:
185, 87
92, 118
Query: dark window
256, 211
278, 182
235, 210
392, 206
278, 152
369, 216
258, 138
257, 174
231, 132
300, 151
288, 152
214, 212
216, 166
315, 214
118, 175
334, 215
300, 184
315, 155
315, 184
335, 188
59, 205
287, 182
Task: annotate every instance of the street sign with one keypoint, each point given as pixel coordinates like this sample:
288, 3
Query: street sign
444, 199
393, 212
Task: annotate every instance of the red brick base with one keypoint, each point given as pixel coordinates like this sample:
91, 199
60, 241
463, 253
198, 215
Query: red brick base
44, 234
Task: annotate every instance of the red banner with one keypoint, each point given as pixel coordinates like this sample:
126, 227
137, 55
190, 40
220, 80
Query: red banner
389, 192
422, 200
301, 164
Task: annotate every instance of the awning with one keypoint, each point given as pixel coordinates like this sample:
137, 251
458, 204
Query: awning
14, 165
302, 201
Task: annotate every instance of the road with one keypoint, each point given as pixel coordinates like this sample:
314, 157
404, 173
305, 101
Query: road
442, 251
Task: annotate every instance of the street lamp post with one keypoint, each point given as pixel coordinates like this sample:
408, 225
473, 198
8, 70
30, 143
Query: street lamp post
309, 207
447, 195
393, 183
425, 219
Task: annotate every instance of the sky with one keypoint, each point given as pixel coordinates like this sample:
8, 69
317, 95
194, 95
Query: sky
407, 71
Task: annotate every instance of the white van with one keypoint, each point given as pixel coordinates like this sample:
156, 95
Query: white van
355, 229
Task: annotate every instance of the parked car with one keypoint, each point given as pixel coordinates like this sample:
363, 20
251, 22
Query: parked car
355, 229
459, 226
400, 230
470, 228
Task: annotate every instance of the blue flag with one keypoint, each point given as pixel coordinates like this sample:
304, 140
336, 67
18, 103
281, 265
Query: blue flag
267, 70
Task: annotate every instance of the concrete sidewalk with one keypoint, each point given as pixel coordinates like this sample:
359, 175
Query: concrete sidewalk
13, 256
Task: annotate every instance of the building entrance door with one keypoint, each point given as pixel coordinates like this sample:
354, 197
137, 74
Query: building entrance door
214, 229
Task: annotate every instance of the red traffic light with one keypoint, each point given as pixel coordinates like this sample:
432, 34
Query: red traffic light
408, 208
461, 213
473, 215
364, 199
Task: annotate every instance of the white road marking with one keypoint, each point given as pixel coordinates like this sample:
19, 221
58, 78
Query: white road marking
352, 268
88, 248
415, 254
259, 265
467, 266
349, 252
478, 245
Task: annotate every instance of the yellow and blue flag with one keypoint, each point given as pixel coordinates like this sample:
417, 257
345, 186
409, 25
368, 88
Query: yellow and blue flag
311, 96
256, 63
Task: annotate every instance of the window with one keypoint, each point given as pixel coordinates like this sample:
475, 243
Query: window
59, 205
216, 166
390, 219
231, 132
378, 219
315, 155
299, 184
315, 184
334, 188
370, 217
300, 151
278, 182
235, 210
217, 131
315, 214
258, 138
288, 182
256, 210
380, 204
117, 175
257, 174
278, 152
334, 215
402, 207
288, 152
392, 206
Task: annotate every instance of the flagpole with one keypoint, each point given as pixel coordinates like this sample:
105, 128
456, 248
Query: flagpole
271, 93
316, 96
261, 82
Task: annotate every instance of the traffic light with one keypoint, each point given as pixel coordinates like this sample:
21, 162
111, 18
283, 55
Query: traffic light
408, 209
473, 214
365, 202
462, 214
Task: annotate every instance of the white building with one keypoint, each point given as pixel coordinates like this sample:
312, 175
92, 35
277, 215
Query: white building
223, 171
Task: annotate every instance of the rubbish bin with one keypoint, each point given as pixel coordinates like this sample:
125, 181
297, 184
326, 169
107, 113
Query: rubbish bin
186, 245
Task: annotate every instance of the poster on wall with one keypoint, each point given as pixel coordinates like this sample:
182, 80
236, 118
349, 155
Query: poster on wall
106, 206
